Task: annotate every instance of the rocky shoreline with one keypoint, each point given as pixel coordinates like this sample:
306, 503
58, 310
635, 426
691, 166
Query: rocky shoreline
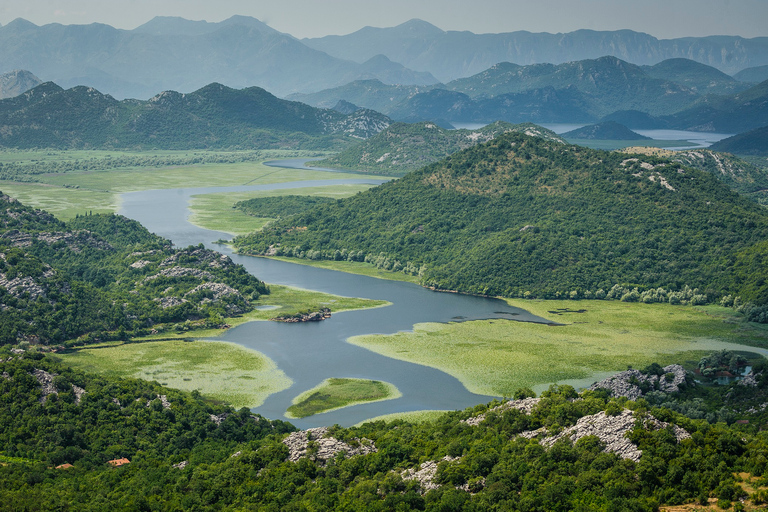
310, 316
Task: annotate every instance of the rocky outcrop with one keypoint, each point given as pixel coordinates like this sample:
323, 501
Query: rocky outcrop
313, 316
169, 302
425, 475
181, 465
47, 386
182, 272
163, 400
317, 445
611, 430
749, 380
525, 405
629, 383
79, 392
219, 418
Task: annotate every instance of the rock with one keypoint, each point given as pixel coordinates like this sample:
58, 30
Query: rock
314, 316
169, 302
611, 430
525, 405
217, 419
323, 448
749, 380
181, 465
163, 400
620, 385
46, 383
181, 272
236, 454
425, 475
79, 392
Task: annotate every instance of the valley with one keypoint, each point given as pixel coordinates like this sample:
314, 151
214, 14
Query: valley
404, 268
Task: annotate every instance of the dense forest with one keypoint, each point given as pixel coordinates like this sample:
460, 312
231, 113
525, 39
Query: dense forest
525, 217
103, 277
71, 441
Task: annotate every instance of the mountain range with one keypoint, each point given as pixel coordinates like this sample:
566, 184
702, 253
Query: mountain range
183, 55
449, 55
169, 53
214, 116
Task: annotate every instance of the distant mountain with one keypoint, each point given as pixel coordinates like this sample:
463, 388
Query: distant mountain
372, 94
522, 214
450, 55
753, 75
607, 130
609, 83
736, 113
182, 55
753, 142
636, 120
537, 106
214, 116
698, 77
406, 147
17, 82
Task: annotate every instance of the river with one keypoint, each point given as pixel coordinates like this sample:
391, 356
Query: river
308, 353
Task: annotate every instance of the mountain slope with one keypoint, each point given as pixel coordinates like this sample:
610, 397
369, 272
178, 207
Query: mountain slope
523, 214
406, 147
698, 77
753, 142
214, 116
17, 82
102, 277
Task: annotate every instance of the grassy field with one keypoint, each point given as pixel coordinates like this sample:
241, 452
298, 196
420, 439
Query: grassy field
496, 357
215, 211
352, 267
71, 193
337, 393
218, 370
410, 417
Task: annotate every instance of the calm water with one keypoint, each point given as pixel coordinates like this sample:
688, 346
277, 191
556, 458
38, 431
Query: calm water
308, 353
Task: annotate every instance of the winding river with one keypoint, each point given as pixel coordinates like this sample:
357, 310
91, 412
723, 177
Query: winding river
308, 353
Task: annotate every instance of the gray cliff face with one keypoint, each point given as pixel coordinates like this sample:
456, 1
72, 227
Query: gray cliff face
319, 446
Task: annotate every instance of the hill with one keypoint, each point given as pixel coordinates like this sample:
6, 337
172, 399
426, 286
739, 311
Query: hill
753, 75
700, 78
753, 142
103, 277
607, 130
91, 440
735, 113
521, 216
214, 116
372, 94
17, 82
449, 55
608, 84
406, 147
183, 55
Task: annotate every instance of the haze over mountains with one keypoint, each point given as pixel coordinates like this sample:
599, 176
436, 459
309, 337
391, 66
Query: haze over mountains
182, 55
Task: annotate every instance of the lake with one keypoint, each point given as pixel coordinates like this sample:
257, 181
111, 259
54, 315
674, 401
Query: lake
308, 353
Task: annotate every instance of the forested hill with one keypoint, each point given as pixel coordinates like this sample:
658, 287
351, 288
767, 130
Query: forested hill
101, 277
212, 117
522, 216
406, 147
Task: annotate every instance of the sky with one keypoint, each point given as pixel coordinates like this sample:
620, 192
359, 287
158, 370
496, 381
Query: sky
663, 19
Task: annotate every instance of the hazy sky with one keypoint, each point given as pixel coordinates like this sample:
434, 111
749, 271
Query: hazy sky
312, 18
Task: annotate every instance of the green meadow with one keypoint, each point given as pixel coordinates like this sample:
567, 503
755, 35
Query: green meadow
497, 357
337, 393
216, 211
218, 370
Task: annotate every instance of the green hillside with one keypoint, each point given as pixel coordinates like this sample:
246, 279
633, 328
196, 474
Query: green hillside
406, 147
696, 76
212, 117
734, 113
607, 130
751, 143
522, 216
101, 277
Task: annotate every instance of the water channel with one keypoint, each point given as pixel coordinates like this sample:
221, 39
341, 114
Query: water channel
308, 353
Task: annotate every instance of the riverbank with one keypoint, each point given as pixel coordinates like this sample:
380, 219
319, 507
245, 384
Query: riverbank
497, 357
